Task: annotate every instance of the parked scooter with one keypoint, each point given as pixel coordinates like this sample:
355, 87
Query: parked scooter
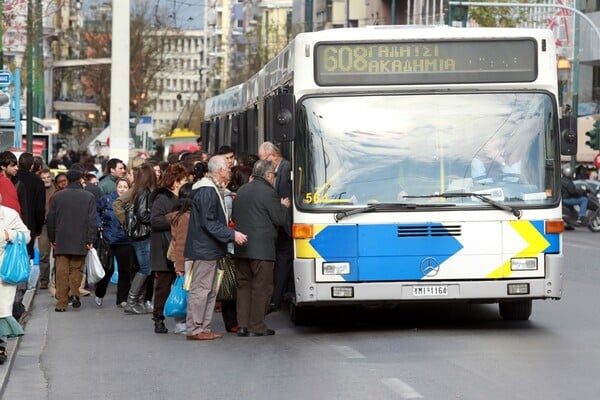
592, 217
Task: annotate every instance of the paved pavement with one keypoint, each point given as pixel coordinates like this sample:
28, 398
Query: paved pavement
13, 345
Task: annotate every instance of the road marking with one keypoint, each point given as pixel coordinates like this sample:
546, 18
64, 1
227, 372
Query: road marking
402, 388
348, 352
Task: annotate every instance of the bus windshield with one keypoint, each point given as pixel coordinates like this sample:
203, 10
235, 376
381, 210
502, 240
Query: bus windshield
372, 149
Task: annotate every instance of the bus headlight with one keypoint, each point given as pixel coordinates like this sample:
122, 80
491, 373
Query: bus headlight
523, 264
336, 268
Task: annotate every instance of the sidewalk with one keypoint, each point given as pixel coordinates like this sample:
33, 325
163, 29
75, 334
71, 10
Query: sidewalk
13, 345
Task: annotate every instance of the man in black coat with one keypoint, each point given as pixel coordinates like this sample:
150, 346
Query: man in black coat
258, 211
72, 230
33, 202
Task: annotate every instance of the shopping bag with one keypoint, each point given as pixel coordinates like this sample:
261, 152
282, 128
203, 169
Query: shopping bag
104, 252
176, 304
15, 266
93, 267
227, 289
114, 279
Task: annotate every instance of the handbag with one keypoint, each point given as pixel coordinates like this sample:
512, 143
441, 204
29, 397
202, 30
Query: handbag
93, 267
104, 252
228, 286
15, 266
176, 304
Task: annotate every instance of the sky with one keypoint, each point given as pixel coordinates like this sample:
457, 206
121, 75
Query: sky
186, 14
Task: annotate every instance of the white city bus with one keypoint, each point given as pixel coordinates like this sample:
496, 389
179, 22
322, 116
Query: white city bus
399, 194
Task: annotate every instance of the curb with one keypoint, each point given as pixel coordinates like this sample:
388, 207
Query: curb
13, 345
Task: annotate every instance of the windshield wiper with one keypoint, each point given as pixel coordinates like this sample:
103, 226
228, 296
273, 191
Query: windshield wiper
379, 206
481, 196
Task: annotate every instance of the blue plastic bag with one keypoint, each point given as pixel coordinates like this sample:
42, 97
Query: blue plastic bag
114, 279
176, 305
15, 266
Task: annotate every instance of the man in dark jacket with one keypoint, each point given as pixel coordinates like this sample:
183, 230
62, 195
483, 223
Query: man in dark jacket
33, 203
573, 195
207, 238
257, 210
72, 230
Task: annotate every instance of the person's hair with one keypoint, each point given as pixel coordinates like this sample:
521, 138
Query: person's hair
144, 179
26, 161
112, 164
89, 176
59, 175
262, 167
173, 173
38, 165
216, 163
45, 171
123, 180
184, 203
225, 150
200, 169
240, 175
270, 149
7, 158
136, 162
247, 160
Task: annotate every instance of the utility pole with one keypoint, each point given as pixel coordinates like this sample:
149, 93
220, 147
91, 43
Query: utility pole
30, 73
119, 81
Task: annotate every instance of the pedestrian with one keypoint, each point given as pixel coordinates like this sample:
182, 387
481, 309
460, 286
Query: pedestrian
43, 242
163, 200
33, 205
8, 191
258, 211
71, 241
115, 169
207, 239
179, 219
240, 175
120, 246
285, 244
140, 293
10, 224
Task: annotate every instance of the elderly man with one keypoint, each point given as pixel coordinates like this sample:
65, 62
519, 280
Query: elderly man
285, 244
259, 211
207, 238
71, 241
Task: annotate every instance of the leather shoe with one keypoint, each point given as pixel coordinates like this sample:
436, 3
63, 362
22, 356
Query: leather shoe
205, 336
76, 303
267, 332
243, 332
59, 310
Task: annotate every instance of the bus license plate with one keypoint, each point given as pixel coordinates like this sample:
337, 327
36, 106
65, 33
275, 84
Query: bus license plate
422, 291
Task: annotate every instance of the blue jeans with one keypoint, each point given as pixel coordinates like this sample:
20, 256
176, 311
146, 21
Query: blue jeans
581, 201
142, 253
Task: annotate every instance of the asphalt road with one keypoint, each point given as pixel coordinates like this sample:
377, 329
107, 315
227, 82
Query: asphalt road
408, 352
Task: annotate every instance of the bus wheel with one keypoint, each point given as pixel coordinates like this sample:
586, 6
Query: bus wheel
518, 310
300, 316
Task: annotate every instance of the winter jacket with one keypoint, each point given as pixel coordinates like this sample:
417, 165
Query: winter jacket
208, 233
107, 220
163, 201
257, 212
179, 231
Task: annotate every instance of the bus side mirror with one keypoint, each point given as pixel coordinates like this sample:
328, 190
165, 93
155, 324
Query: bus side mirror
281, 117
568, 135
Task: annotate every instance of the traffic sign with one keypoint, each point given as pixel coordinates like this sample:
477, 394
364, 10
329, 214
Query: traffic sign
5, 78
597, 160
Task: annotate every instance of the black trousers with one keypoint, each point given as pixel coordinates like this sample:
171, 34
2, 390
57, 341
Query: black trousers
126, 264
284, 258
164, 280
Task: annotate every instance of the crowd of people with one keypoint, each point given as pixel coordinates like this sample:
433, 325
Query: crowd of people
194, 216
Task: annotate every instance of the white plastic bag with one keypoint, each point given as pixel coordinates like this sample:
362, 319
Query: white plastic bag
93, 267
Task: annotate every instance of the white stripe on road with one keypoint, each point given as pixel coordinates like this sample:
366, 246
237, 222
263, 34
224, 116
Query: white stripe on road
402, 388
348, 352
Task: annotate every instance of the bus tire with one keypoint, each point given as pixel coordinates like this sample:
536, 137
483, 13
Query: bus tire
300, 316
518, 310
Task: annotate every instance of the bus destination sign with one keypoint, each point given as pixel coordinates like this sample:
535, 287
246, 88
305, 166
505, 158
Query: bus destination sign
425, 62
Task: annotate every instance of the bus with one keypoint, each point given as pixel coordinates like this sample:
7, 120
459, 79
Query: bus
387, 129
179, 140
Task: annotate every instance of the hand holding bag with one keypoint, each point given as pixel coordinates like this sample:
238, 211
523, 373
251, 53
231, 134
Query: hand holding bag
93, 267
15, 266
176, 304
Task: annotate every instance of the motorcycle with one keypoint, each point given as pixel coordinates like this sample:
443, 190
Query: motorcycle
592, 216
